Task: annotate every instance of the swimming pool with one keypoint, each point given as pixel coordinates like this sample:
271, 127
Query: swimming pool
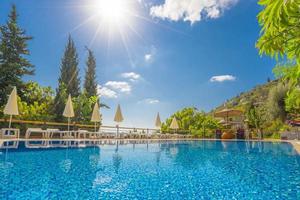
151, 170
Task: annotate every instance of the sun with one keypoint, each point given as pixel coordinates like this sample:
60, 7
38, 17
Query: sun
113, 22
112, 11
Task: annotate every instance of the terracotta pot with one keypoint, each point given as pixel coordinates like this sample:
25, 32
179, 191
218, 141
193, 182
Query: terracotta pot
226, 135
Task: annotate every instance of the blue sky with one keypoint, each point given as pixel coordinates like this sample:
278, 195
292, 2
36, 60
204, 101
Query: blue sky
161, 56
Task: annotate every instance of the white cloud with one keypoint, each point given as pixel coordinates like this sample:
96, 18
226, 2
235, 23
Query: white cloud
148, 57
150, 101
222, 78
121, 86
191, 10
132, 76
106, 92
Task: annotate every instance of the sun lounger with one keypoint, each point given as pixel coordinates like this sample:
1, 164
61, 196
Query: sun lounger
110, 135
94, 135
83, 133
10, 133
52, 131
123, 135
37, 131
69, 134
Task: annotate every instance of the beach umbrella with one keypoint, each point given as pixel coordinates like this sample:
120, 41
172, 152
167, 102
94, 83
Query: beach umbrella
158, 121
118, 117
226, 113
174, 125
96, 117
11, 107
69, 111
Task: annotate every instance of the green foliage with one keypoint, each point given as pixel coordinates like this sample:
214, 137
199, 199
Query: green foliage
33, 92
292, 102
276, 102
69, 70
274, 128
280, 39
258, 95
37, 103
192, 121
68, 82
185, 119
90, 83
256, 117
280, 28
13, 49
59, 102
83, 106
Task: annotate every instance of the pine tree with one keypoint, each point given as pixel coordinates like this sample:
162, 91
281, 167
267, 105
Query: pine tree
13, 49
69, 69
90, 83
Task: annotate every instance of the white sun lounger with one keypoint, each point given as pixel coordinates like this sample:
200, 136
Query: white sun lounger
10, 133
69, 134
30, 131
83, 133
52, 131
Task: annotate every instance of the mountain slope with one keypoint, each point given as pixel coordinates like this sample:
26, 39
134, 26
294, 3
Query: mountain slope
258, 95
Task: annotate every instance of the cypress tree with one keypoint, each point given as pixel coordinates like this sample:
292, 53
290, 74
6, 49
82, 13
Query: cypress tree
90, 83
69, 69
13, 49
68, 82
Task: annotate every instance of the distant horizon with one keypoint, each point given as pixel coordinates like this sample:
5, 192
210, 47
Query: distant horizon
150, 61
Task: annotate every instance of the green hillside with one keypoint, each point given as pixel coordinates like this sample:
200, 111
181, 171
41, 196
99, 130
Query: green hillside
257, 95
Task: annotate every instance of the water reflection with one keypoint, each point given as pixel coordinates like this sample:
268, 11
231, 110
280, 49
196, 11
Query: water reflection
117, 158
189, 154
112, 167
157, 157
95, 157
66, 164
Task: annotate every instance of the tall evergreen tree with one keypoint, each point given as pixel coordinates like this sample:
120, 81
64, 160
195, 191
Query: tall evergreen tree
69, 69
68, 82
90, 83
13, 49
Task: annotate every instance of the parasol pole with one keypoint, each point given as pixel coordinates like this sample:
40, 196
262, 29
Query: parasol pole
10, 118
68, 123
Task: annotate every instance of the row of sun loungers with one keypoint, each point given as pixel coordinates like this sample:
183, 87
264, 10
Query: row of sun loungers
38, 133
35, 144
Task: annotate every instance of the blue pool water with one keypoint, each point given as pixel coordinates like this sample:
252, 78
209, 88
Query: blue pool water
157, 170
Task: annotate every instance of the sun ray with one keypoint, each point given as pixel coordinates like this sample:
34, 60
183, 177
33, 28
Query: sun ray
95, 34
83, 23
117, 19
126, 47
